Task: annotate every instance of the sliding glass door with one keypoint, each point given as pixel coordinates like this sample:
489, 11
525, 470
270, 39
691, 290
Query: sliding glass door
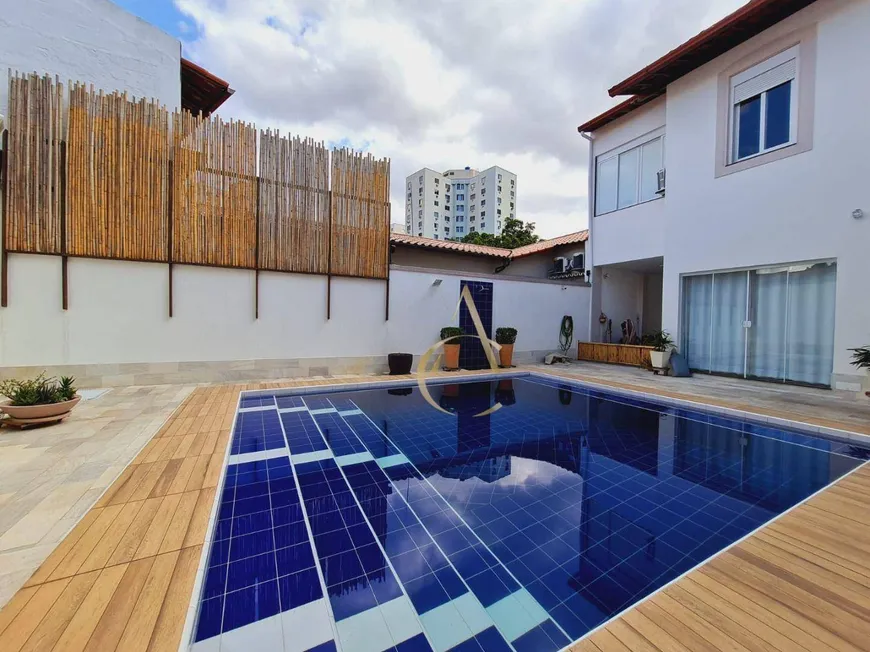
774, 323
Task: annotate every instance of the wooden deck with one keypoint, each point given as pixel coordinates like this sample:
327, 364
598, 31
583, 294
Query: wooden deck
122, 579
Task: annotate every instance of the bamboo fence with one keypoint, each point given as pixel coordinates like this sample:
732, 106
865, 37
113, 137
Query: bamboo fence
294, 204
108, 176
35, 130
214, 191
360, 228
117, 176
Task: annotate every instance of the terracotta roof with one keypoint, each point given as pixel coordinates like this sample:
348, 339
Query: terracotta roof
552, 243
448, 245
741, 25
480, 250
616, 112
201, 91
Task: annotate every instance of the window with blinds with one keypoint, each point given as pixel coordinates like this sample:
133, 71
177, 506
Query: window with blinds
764, 106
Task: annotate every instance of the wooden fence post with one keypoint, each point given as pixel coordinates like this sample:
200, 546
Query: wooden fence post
4, 188
257, 254
329, 258
64, 275
170, 192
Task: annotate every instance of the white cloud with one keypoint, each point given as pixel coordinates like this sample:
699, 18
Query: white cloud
444, 84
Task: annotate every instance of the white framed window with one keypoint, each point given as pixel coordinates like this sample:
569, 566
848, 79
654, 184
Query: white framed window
764, 106
628, 176
436, 214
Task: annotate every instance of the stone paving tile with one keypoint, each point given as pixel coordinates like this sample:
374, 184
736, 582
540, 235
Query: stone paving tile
50, 477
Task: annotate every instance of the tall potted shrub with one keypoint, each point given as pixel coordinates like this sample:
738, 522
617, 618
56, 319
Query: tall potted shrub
662, 346
450, 336
861, 360
506, 336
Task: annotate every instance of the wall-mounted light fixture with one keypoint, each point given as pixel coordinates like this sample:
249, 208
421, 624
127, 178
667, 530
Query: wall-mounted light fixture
857, 213
436, 282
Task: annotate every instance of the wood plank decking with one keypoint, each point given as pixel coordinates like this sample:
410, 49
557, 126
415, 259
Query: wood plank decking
122, 579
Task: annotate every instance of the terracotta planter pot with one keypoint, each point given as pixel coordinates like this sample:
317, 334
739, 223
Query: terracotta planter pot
451, 356
506, 355
38, 411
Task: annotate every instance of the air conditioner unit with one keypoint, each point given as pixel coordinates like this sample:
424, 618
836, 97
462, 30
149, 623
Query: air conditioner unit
660, 182
560, 264
577, 262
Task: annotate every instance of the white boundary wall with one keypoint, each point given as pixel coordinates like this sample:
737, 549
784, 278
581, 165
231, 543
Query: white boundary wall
117, 329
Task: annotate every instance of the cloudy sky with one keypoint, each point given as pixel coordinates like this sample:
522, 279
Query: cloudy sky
438, 84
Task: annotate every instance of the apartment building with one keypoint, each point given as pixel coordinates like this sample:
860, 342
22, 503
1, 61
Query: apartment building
452, 204
728, 195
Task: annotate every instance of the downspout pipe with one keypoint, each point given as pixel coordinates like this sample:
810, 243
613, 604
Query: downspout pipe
590, 212
504, 265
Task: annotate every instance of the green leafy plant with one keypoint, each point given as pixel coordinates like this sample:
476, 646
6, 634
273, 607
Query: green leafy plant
661, 341
861, 357
39, 390
506, 335
451, 334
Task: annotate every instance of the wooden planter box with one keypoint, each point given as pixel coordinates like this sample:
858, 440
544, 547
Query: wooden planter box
630, 354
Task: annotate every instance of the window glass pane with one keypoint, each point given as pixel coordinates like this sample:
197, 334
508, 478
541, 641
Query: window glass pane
628, 177
729, 311
605, 192
812, 291
651, 163
748, 126
697, 315
777, 129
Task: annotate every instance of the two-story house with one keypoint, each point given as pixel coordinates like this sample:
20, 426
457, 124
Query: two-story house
729, 195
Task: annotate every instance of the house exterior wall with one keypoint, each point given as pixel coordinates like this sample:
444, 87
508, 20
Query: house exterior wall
539, 265
117, 330
93, 41
629, 233
791, 210
795, 209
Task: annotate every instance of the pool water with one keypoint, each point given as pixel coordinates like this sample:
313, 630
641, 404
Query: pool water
367, 520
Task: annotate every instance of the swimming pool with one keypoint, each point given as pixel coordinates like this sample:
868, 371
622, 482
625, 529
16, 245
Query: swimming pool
368, 520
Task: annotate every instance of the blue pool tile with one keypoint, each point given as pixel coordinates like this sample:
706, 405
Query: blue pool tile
469, 562
417, 643
491, 641
384, 586
351, 600
250, 604
215, 581
251, 571
488, 588
249, 545
426, 593
410, 565
542, 638
293, 559
210, 615
329, 646
299, 588
451, 582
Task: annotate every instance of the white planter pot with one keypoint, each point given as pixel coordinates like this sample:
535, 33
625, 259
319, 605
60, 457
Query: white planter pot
660, 359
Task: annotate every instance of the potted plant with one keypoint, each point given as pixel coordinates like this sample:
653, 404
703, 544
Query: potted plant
40, 400
400, 363
506, 336
861, 360
662, 346
450, 336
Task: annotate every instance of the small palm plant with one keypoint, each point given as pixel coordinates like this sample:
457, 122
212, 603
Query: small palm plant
861, 357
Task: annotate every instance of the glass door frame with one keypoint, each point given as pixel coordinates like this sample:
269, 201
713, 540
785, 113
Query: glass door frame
748, 318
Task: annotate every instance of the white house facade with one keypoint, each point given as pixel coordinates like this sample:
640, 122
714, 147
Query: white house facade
730, 203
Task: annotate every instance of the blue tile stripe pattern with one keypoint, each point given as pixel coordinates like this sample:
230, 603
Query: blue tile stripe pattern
364, 520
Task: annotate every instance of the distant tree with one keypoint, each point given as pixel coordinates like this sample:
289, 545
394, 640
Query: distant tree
514, 234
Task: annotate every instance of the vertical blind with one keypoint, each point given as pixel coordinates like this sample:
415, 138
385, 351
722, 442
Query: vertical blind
789, 315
